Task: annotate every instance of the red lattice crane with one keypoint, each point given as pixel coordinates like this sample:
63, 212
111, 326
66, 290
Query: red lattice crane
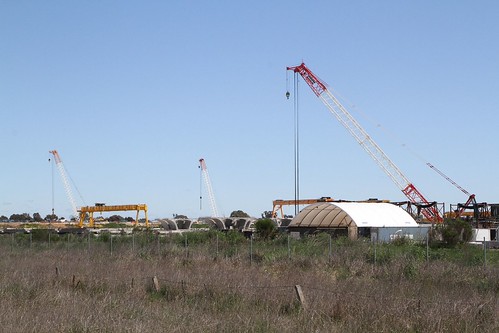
429, 210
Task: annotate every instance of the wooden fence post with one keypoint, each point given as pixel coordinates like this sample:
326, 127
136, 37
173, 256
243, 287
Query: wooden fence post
155, 283
301, 297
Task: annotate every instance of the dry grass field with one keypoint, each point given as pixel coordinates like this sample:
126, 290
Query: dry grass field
227, 284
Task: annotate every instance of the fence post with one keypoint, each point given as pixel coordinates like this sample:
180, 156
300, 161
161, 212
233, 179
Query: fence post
50, 232
30, 240
330, 249
428, 246
289, 248
217, 246
133, 242
484, 253
251, 249
157, 241
301, 296
156, 283
111, 241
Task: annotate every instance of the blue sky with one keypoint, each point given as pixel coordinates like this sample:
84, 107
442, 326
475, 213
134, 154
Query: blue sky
133, 93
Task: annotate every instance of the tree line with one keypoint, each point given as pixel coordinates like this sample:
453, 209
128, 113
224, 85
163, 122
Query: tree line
26, 217
37, 217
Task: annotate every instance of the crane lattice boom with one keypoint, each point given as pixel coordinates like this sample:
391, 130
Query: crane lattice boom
471, 197
65, 181
366, 142
206, 176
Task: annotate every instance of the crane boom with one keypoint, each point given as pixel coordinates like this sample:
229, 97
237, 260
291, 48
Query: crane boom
471, 197
367, 143
206, 176
67, 187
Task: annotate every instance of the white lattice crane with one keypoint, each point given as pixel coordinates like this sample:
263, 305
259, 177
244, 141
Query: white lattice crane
207, 181
428, 209
67, 187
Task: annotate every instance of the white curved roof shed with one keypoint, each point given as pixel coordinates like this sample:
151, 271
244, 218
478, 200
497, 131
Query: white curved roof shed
352, 215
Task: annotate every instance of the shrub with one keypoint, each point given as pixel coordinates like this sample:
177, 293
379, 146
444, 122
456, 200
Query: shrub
265, 228
233, 237
454, 232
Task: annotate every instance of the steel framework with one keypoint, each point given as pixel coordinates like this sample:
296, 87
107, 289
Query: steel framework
319, 88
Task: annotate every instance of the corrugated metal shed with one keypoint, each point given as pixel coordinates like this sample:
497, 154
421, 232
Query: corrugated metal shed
352, 215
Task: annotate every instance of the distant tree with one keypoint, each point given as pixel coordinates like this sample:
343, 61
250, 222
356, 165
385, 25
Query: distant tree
115, 218
238, 213
24, 217
37, 217
265, 228
453, 232
129, 219
51, 217
179, 216
4, 218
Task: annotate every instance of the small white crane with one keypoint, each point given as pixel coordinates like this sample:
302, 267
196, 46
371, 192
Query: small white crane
67, 186
206, 176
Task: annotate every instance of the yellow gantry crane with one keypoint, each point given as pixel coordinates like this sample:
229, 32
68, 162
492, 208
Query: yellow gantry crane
90, 210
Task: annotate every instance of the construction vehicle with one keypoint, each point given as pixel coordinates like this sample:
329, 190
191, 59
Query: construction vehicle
428, 210
209, 188
67, 186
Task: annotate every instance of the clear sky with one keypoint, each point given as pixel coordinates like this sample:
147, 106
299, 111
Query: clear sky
133, 93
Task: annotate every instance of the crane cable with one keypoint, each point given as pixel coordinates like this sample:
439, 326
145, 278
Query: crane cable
53, 193
296, 138
200, 188
74, 185
297, 141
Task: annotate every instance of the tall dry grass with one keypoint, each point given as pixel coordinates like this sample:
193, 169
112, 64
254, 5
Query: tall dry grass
88, 289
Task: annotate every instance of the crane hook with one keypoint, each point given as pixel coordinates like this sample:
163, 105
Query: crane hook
287, 94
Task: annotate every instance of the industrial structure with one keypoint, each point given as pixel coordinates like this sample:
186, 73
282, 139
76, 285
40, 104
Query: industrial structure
480, 213
205, 175
100, 208
429, 210
339, 217
278, 205
65, 181
350, 219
